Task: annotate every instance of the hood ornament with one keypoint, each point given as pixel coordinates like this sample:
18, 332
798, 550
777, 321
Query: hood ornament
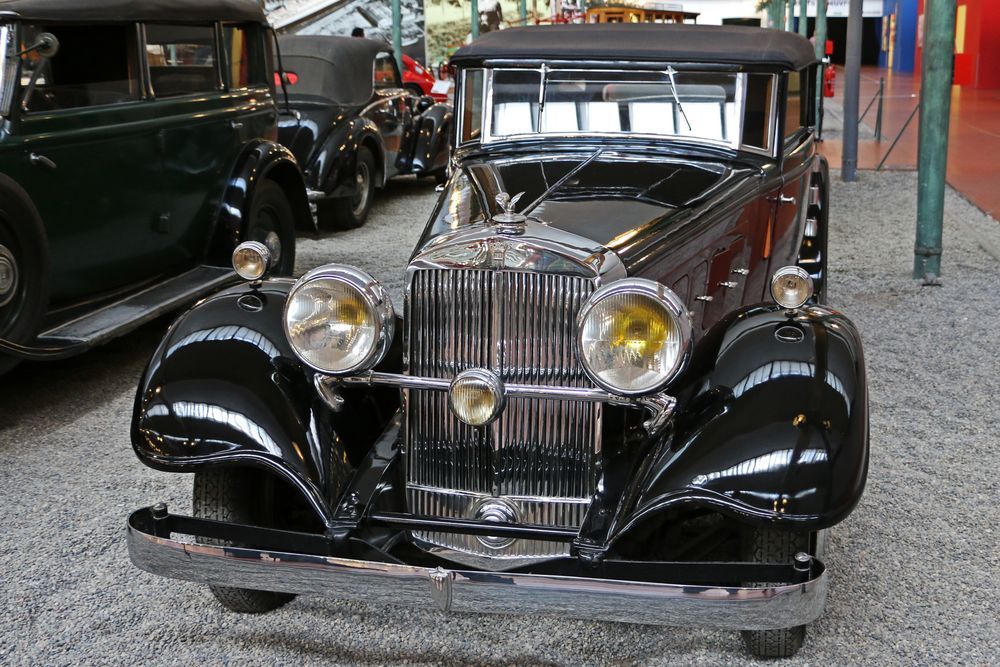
508, 221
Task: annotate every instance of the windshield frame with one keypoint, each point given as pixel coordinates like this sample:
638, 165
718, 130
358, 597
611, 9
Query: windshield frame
487, 138
9, 60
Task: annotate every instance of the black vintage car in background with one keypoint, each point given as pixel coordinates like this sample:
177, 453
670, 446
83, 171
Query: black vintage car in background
353, 126
612, 389
137, 149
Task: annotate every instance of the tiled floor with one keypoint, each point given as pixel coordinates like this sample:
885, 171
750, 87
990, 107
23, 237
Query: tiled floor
973, 141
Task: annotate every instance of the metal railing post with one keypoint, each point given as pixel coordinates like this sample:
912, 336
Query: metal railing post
852, 83
878, 110
937, 68
803, 19
475, 19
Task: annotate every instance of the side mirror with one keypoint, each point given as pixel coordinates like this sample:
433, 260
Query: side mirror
424, 103
46, 46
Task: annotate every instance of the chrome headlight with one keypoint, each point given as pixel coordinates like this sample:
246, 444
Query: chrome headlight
251, 260
339, 320
634, 336
791, 286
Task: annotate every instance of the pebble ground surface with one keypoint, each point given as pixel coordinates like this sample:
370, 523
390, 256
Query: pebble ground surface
913, 570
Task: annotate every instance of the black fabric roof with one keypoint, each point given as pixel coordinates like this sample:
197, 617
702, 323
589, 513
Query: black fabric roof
656, 42
176, 11
337, 68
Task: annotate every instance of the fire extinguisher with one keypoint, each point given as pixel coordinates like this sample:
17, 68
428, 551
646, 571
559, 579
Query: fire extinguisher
829, 77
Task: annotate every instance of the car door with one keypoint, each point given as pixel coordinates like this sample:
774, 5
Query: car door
207, 86
389, 110
88, 144
789, 198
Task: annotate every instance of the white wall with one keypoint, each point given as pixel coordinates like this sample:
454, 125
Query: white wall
713, 11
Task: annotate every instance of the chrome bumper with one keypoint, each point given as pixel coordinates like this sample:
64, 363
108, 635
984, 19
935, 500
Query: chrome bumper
482, 592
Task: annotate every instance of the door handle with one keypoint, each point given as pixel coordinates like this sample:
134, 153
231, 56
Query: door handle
782, 199
37, 160
236, 125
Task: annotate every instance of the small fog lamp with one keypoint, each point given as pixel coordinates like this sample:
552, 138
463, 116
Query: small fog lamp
791, 286
476, 396
251, 260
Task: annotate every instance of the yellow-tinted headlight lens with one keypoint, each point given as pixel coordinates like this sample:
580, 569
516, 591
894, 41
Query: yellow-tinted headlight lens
633, 341
791, 286
333, 325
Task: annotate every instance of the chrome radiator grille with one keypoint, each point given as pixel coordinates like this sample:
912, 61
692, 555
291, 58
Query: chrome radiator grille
539, 455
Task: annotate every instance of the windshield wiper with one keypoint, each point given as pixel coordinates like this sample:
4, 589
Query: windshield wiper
673, 89
531, 207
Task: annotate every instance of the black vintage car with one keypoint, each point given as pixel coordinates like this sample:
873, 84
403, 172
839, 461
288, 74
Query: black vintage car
137, 149
353, 126
612, 389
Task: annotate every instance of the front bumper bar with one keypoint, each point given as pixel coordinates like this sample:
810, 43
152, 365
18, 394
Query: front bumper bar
152, 549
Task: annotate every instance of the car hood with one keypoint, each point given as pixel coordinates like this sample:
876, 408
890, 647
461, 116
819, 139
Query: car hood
615, 202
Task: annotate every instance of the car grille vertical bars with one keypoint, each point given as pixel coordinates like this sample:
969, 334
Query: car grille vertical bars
540, 453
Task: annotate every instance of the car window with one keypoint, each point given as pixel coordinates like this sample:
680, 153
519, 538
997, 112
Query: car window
385, 72
181, 59
757, 125
685, 104
472, 106
244, 66
793, 104
95, 65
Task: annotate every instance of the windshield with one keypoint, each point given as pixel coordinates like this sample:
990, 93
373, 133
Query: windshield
686, 104
8, 67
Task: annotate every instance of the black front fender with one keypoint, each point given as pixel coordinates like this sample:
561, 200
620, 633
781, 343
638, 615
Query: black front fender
224, 388
333, 166
261, 159
773, 426
430, 150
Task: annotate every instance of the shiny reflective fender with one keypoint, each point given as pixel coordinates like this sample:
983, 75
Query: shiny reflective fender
773, 423
430, 147
261, 159
332, 167
224, 388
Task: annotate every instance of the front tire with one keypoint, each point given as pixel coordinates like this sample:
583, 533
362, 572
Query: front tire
238, 496
24, 271
352, 212
272, 222
767, 545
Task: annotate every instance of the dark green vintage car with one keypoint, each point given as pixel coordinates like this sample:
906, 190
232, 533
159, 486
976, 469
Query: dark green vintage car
137, 148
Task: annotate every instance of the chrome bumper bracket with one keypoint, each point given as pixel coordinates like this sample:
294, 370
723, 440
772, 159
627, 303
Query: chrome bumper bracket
152, 548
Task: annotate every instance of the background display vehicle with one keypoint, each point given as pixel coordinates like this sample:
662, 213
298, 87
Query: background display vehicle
353, 126
611, 389
137, 148
419, 80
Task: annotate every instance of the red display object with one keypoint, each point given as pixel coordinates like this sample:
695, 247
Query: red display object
977, 43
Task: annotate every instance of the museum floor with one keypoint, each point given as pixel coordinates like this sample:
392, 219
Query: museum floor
973, 140
912, 568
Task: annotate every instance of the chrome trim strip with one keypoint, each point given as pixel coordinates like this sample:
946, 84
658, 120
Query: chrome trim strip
660, 406
640, 602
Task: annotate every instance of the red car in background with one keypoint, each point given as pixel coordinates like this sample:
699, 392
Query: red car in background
420, 80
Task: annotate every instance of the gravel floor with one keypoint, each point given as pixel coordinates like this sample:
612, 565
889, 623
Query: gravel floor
914, 569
